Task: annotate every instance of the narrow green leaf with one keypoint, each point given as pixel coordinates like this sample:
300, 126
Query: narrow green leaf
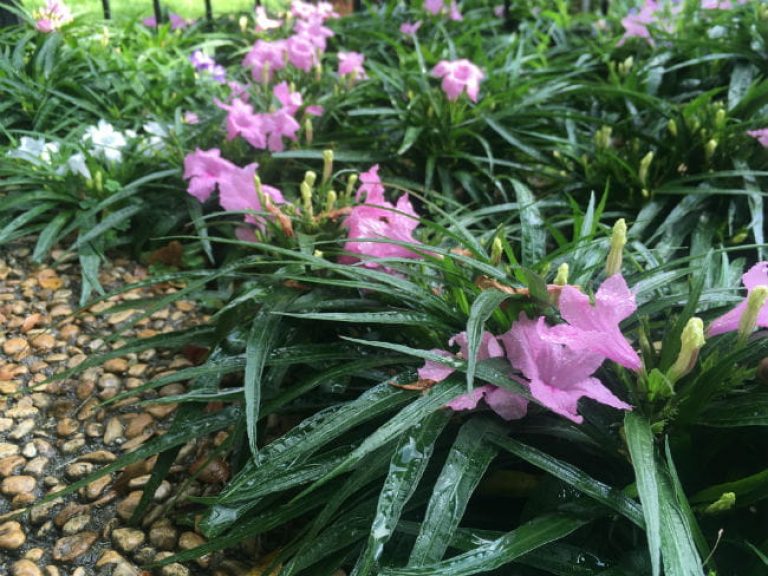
404, 318
497, 553
115, 219
737, 411
533, 233
482, 308
467, 461
410, 137
49, 236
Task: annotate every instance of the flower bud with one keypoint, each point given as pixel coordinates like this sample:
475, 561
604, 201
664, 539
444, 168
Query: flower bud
726, 502
626, 67
265, 73
497, 249
309, 132
98, 181
561, 279
720, 119
306, 199
757, 298
691, 341
327, 165
351, 183
672, 127
330, 201
709, 149
616, 253
603, 137
243, 23
645, 164
310, 177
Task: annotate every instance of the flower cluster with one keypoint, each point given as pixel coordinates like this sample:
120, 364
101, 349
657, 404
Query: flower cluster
206, 170
52, 16
204, 63
374, 221
558, 362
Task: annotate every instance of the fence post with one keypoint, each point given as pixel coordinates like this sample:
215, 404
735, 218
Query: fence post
7, 17
208, 11
158, 13
107, 9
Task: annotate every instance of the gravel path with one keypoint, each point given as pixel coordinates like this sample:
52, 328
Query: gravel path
56, 433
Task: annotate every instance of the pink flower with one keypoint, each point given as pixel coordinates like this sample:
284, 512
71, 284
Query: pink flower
242, 121
178, 22
636, 23
301, 53
505, 403
204, 169
321, 11
729, 322
314, 110
191, 118
498, 11
454, 13
264, 22
595, 329
558, 375
264, 53
458, 76
379, 219
314, 32
434, 6
719, 4
290, 101
351, 64
410, 28
150, 22
280, 124
760, 135
52, 16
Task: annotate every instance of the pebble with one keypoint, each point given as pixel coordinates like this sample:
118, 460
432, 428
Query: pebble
116, 365
78, 470
95, 488
98, 456
163, 535
113, 431
13, 485
127, 539
43, 342
174, 569
70, 548
75, 524
7, 449
66, 427
22, 429
11, 464
12, 535
6, 424
137, 424
126, 506
25, 567
15, 346
36, 466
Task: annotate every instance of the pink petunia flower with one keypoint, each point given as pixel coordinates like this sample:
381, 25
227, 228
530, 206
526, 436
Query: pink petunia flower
410, 28
301, 53
242, 121
505, 403
264, 22
379, 219
273, 55
459, 76
290, 101
760, 135
595, 329
351, 64
204, 169
557, 375
454, 13
280, 124
314, 32
52, 16
191, 118
320, 12
729, 322
434, 7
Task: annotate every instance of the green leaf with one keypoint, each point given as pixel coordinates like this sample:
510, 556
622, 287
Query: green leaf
482, 308
534, 237
402, 318
407, 466
497, 553
467, 461
612, 497
49, 236
737, 411
410, 138
115, 219
641, 446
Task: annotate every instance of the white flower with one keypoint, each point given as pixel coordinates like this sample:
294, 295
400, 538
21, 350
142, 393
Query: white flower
107, 142
77, 165
35, 150
156, 141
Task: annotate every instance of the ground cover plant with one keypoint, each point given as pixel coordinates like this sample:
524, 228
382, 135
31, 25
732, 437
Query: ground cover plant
476, 272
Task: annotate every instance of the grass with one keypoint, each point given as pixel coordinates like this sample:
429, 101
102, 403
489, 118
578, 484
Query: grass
122, 10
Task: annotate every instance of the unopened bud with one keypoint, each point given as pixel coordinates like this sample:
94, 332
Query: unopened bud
672, 127
243, 23
603, 137
645, 165
626, 67
330, 201
757, 298
726, 502
561, 278
266, 73
98, 181
709, 149
306, 199
691, 341
318, 254
327, 165
309, 131
497, 249
351, 183
616, 253
720, 118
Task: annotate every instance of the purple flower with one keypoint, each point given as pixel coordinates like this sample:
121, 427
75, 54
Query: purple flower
379, 219
273, 55
595, 329
454, 13
410, 28
498, 10
178, 22
351, 64
729, 322
760, 135
557, 375
301, 52
290, 101
52, 16
191, 118
280, 124
459, 76
434, 6
314, 32
321, 11
505, 403
204, 63
636, 24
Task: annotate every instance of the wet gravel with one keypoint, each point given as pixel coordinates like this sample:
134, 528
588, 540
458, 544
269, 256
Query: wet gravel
55, 433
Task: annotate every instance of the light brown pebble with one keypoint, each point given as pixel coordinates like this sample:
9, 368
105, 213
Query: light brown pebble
66, 427
76, 360
126, 569
29, 450
22, 500
12, 535
126, 506
138, 441
36, 466
72, 446
116, 365
108, 380
70, 548
31, 321
137, 424
113, 431
42, 512
98, 456
94, 429
95, 488
88, 410
9, 387
84, 389
13, 485
71, 510
23, 409
15, 346
137, 370
75, 524
60, 310
109, 557
127, 539
69, 332
11, 464
163, 535
119, 317
34, 554
43, 342
25, 567
161, 411
22, 429
78, 470
51, 570
6, 424
174, 569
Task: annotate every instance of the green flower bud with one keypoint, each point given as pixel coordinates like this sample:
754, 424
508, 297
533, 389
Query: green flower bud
616, 253
330, 201
709, 149
561, 279
720, 119
309, 131
757, 298
672, 127
310, 178
726, 502
306, 200
691, 341
327, 165
351, 183
603, 137
497, 250
645, 165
